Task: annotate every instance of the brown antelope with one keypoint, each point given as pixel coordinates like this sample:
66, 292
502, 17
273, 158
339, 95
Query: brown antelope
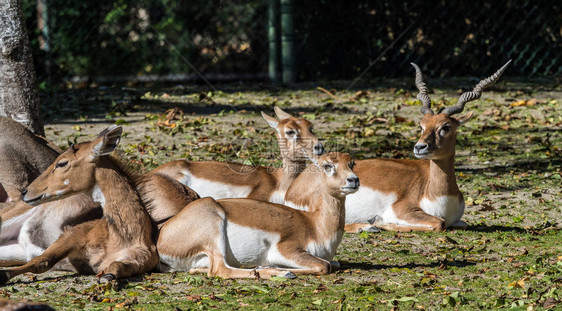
116, 246
26, 231
416, 195
232, 180
234, 238
23, 157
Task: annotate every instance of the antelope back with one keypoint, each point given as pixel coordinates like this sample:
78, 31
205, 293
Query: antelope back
296, 138
23, 156
73, 171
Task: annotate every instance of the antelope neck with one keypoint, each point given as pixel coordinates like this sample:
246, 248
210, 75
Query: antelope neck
326, 212
442, 180
289, 172
123, 209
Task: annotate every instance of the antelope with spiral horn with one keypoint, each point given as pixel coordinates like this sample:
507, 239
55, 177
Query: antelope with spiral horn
416, 195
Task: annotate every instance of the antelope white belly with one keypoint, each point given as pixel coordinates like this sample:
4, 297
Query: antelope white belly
368, 205
12, 252
11, 228
171, 263
216, 190
248, 247
448, 207
243, 248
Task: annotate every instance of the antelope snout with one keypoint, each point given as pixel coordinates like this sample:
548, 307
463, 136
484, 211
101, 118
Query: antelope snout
318, 149
353, 181
28, 200
421, 149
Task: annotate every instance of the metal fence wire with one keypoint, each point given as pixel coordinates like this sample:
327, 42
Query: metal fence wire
334, 39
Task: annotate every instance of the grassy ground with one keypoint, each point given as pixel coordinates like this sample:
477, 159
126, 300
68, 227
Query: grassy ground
508, 167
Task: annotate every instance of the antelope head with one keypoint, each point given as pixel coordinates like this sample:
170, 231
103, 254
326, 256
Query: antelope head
338, 175
73, 171
295, 135
439, 130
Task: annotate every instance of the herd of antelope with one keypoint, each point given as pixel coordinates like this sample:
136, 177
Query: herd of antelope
83, 209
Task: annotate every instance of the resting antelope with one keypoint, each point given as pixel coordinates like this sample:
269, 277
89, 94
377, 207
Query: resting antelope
26, 231
416, 195
116, 246
227, 237
232, 180
23, 156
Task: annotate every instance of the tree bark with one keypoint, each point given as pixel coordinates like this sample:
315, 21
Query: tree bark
19, 99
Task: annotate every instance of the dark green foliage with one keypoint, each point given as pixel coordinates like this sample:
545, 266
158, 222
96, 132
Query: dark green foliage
140, 37
334, 39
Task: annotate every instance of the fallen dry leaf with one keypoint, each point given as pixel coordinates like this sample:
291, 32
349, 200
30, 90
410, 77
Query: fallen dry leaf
320, 288
194, 298
519, 283
529, 102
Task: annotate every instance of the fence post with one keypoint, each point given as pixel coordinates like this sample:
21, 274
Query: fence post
288, 41
273, 35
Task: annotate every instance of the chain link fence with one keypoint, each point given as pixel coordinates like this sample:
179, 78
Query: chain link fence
335, 39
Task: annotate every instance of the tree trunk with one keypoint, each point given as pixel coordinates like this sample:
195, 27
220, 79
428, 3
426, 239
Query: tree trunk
18, 94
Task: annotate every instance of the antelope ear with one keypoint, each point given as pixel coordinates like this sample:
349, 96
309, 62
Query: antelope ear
106, 142
465, 118
281, 114
271, 120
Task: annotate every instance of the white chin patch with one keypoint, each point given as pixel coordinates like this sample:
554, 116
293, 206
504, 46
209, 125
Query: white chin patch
346, 191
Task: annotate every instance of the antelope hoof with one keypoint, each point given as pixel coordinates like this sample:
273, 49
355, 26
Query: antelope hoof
4, 278
374, 220
106, 278
288, 275
334, 266
461, 225
371, 229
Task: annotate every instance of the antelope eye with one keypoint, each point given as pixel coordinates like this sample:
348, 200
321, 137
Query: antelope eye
311, 130
327, 167
351, 164
290, 133
62, 164
444, 130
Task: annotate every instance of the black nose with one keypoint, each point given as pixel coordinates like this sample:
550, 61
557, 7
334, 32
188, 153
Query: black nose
353, 180
420, 147
318, 149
